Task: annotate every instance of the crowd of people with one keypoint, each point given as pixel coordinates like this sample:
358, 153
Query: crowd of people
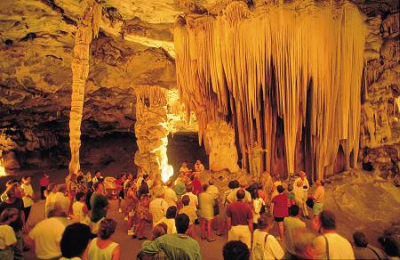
180, 212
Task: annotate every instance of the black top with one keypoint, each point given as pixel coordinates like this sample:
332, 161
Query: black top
19, 205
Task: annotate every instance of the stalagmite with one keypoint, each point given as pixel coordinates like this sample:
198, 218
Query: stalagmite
88, 29
287, 75
151, 131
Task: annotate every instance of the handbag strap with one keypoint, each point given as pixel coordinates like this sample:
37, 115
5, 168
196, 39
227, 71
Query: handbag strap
376, 253
326, 247
265, 241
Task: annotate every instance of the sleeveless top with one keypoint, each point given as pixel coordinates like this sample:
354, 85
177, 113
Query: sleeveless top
96, 253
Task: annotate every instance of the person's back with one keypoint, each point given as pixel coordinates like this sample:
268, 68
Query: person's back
368, 252
47, 235
157, 208
290, 224
77, 211
99, 250
98, 204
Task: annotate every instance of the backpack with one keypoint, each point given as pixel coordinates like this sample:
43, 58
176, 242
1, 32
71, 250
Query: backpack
258, 250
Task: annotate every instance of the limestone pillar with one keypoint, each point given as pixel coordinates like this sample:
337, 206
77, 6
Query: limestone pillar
87, 29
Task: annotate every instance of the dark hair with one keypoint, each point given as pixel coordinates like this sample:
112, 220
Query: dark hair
280, 189
360, 239
79, 195
185, 200
189, 188
79, 178
231, 185
254, 193
74, 240
204, 187
236, 250
294, 210
145, 176
181, 223
235, 184
95, 172
328, 220
264, 220
96, 185
26, 177
240, 194
171, 212
143, 190
107, 228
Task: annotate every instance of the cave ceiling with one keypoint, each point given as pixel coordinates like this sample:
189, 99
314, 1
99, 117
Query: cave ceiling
135, 47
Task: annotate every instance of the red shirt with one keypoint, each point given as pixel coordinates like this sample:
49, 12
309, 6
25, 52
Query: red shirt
44, 181
240, 213
280, 205
196, 187
118, 184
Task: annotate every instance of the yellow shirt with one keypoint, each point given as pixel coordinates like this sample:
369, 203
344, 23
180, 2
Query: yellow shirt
190, 212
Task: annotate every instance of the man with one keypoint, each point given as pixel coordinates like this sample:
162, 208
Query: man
236, 250
362, 250
184, 168
319, 198
256, 154
158, 207
291, 224
13, 201
232, 196
330, 243
60, 199
175, 246
198, 166
170, 195
74, 241
45, 237
193, 202
97, 177
240, 220
99, 205
44, 182
301, 183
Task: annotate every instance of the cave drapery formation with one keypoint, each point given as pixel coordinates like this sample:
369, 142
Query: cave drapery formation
151, 131
87, 30
287, 75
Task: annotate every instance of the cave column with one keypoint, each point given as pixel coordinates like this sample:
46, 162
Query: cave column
87, 29
151, 130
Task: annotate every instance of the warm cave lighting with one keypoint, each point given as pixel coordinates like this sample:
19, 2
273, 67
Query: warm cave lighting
2, 169
166, 172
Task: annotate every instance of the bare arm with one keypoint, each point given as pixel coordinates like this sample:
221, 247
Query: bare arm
86, 253
251, 225
116, 254
229, 223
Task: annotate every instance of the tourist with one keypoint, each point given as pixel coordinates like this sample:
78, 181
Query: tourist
44, 182
99, 205
74, 241
89, 194
362, 250
97, 177
190, 211
158, 231
27, 196
131, 201
318, 197
265, 245
119, 186
158, 206
103, 247
329, 242
142, 181
242, 185
72, 187
184, 168
261, 193
304, 246
267, 183
79, 209
194, 202
169, 219
222, 225
236, 250
142, 212
198, 166
280, 209
180, 184
240, 220
18, 225
175, 246
206, 213
196, 184
50, 195
81, 184
299, 196
256, 154
7, 234
60, 199
302, 183
390, 242
292, 223
170, 195
291, 196
257, 206
46, 236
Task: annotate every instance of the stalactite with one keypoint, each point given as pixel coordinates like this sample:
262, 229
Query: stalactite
87, 29
281, 61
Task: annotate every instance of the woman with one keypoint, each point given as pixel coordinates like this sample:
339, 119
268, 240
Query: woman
142, 212
280, 209
7, 234
257, 204
206, 213
103, 247
265, 245
169, 220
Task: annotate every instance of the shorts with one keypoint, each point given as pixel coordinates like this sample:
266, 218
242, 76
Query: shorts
278, 219
318, 207
121, 194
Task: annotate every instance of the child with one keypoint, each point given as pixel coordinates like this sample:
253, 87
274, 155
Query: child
79, 209
191, 213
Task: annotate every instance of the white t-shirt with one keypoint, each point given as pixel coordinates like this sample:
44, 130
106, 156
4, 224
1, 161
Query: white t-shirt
77, 211
194, 202
213, 190
7, 236
170, 222
47, 235
158, 208
28, 191
272, 248
61, 201
339, 247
